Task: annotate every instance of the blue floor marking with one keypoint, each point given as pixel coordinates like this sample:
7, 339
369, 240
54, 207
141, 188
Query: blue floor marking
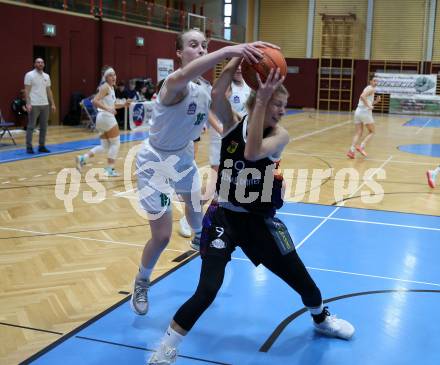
252, 301
425, 122
432, 150
66, 147
291, 112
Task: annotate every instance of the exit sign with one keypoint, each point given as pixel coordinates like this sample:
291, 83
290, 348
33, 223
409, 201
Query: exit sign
49, 30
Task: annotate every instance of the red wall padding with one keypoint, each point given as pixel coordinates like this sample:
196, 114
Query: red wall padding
79, 39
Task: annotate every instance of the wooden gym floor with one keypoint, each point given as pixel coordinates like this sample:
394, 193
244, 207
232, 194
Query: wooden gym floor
61, 267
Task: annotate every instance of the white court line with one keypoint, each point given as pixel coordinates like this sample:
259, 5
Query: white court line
424, 125
343, 157
373, 276
5, 182
319, 131
82, 238
22, 178
362, 221
357, 274
37, 175
341, 204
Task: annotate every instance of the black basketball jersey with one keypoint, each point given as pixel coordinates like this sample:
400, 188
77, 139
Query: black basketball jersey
248, 184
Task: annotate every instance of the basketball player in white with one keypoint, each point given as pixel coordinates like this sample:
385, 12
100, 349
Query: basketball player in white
364, 116
180, 112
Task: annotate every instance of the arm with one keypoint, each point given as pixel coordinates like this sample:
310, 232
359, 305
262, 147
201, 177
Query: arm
364, 96
123, 105
175, 86
215, 123
27, 91
257, 147
50, 96
97, 100
220, 103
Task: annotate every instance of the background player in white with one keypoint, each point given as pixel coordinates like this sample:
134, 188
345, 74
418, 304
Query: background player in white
364, 116
106, 124
180, 112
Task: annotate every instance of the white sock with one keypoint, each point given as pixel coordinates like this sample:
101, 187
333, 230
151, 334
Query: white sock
436, 171
363, 145
352, 149
316, 310
144, 273
172, 338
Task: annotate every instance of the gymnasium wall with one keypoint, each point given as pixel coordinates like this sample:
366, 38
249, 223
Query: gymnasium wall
436, 46
285, 23
338, 7
399, 29
80, 41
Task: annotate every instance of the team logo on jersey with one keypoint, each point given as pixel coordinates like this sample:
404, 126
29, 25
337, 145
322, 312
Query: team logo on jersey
232, 147
200, 118
236, 99
218, 243
191, 108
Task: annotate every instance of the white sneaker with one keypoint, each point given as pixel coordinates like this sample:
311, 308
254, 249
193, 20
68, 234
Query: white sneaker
80, 162
184, 228
139, 298
110, 172
334, 327
164, 355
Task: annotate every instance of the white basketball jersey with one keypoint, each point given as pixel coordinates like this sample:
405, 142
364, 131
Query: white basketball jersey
361, 106
174, 126
238, 98
108, 100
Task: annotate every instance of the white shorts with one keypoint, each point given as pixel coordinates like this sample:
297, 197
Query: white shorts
215, 145
105, 122
160, 174
363, 116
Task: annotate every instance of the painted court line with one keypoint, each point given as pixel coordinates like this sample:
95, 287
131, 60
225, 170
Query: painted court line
342, 204
424, 125
82, 238
343, 157
319, 131
356, 274
362, 221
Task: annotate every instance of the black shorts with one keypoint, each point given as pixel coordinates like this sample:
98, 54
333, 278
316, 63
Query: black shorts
196, 140
260, 238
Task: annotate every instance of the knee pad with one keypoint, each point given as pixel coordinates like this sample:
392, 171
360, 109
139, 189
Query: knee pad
114, 144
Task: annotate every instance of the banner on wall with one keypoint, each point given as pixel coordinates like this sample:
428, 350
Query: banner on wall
164, 67
415, 104
139, 114
408, 84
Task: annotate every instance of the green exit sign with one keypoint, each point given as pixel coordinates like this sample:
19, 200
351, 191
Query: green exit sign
49, 30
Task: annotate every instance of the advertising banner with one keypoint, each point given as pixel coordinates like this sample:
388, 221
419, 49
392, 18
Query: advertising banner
139, 114
409, 84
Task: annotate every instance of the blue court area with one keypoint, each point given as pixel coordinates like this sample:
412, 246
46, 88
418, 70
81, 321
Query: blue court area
377, 269
424, 122
432, 150
56, 149
293, 111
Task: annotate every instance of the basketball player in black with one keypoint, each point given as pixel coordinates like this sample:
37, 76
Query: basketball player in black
248, 194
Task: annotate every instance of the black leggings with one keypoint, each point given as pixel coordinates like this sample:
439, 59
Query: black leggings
289, 268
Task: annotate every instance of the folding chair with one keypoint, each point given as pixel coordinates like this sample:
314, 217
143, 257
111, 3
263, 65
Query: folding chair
4, 126
91, 112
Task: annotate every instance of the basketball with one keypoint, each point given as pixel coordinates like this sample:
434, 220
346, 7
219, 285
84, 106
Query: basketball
272, 58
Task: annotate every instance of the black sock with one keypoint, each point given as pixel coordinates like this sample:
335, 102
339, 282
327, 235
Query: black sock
319, 318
